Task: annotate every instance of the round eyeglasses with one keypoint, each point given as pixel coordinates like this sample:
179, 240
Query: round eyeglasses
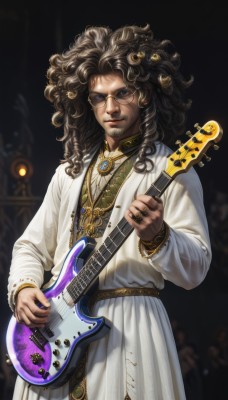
123, 96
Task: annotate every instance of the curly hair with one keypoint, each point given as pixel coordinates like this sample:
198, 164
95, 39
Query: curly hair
149, 65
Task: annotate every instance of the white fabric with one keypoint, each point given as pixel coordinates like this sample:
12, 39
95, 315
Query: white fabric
139, 355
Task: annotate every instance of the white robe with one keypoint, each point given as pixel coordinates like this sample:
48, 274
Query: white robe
138, 356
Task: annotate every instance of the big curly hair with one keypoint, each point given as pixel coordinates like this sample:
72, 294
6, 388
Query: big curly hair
150, 65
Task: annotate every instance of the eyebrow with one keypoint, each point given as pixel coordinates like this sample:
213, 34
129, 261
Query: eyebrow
105, 94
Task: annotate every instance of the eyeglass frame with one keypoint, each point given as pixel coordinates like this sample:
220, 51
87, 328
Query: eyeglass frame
114, 97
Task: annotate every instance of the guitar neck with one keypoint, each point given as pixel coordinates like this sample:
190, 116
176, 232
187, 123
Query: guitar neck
99, 259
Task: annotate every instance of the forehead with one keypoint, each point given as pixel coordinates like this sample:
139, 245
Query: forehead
102, 83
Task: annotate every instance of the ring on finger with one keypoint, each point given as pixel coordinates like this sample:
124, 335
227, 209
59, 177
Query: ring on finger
137, 218
144, 212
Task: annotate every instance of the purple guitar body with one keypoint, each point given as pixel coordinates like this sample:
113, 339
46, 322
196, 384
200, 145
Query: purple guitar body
47, 357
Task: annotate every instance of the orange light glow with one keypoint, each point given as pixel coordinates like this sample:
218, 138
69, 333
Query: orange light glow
22, 170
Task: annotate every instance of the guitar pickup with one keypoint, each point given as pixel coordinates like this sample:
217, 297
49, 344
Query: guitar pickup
38, 339
48, 332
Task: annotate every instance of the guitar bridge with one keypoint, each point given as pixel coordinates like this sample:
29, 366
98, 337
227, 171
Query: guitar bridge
38, 339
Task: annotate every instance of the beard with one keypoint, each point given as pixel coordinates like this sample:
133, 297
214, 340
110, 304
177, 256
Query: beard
115, 132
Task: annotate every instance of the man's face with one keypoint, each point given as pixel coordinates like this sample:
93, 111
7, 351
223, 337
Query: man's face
117, 119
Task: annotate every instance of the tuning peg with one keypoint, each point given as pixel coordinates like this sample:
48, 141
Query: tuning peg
201, 164
197, 126
215, 147
207, 157
179, 142
189, 134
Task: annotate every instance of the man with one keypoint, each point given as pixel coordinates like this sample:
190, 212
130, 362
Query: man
120, 97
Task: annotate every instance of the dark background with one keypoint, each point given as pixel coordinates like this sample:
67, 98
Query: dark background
31, 31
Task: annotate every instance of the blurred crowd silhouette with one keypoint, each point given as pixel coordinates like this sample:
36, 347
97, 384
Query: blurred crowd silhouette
205, 372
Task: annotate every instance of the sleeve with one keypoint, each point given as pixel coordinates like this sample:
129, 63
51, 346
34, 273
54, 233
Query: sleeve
186, 257
33, 251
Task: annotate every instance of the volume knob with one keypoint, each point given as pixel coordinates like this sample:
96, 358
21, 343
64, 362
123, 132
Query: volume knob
56, 364
67, 342
56, 352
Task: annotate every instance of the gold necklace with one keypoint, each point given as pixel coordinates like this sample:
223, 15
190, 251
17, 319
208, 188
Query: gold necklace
127, 147
107, 163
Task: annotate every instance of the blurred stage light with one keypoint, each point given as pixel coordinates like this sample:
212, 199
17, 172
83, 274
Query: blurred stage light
21, 168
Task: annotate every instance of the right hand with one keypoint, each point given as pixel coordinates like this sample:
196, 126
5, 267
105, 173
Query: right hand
27, 310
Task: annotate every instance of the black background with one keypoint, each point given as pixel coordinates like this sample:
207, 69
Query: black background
31, 31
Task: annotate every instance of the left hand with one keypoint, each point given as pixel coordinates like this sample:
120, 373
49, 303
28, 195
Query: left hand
145, 215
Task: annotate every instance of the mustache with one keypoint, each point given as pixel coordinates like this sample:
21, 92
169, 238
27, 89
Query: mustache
113, 119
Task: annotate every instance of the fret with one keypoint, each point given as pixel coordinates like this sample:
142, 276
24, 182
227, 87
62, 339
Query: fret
106, 245
75, 289
159, 186
97, 260
124, 227
92, 267
112, 243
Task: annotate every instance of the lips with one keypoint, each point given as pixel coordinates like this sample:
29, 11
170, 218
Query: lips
113, 120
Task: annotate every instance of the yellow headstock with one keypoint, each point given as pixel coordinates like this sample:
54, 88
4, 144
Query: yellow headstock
194, 149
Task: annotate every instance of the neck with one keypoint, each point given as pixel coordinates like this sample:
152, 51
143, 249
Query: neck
123, 144
112, 143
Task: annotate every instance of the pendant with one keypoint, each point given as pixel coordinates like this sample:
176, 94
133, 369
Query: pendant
105, 166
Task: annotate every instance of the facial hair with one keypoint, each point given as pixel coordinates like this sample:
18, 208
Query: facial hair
115, 132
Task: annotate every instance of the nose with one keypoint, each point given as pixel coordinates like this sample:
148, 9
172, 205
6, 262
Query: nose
111, 104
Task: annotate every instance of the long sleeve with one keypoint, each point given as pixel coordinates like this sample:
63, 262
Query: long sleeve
33, 252
186, 258
45, 242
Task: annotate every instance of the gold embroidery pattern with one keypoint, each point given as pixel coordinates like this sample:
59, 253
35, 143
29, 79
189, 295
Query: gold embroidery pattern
94, 213
130, 142
126, 148
123, 292
78, 382
154, 246
91, 215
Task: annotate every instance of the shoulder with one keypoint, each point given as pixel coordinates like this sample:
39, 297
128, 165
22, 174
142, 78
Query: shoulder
60, 174
61, 169
162, 151
59, 180
159, 158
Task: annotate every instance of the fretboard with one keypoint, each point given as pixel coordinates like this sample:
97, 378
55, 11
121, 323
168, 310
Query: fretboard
99, 259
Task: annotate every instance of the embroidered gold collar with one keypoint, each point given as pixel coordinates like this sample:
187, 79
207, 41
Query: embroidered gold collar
127, 144
126, 147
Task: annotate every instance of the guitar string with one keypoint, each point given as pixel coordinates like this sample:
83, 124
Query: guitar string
63, 308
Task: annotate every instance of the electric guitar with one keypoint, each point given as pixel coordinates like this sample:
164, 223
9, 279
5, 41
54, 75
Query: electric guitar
49, 356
